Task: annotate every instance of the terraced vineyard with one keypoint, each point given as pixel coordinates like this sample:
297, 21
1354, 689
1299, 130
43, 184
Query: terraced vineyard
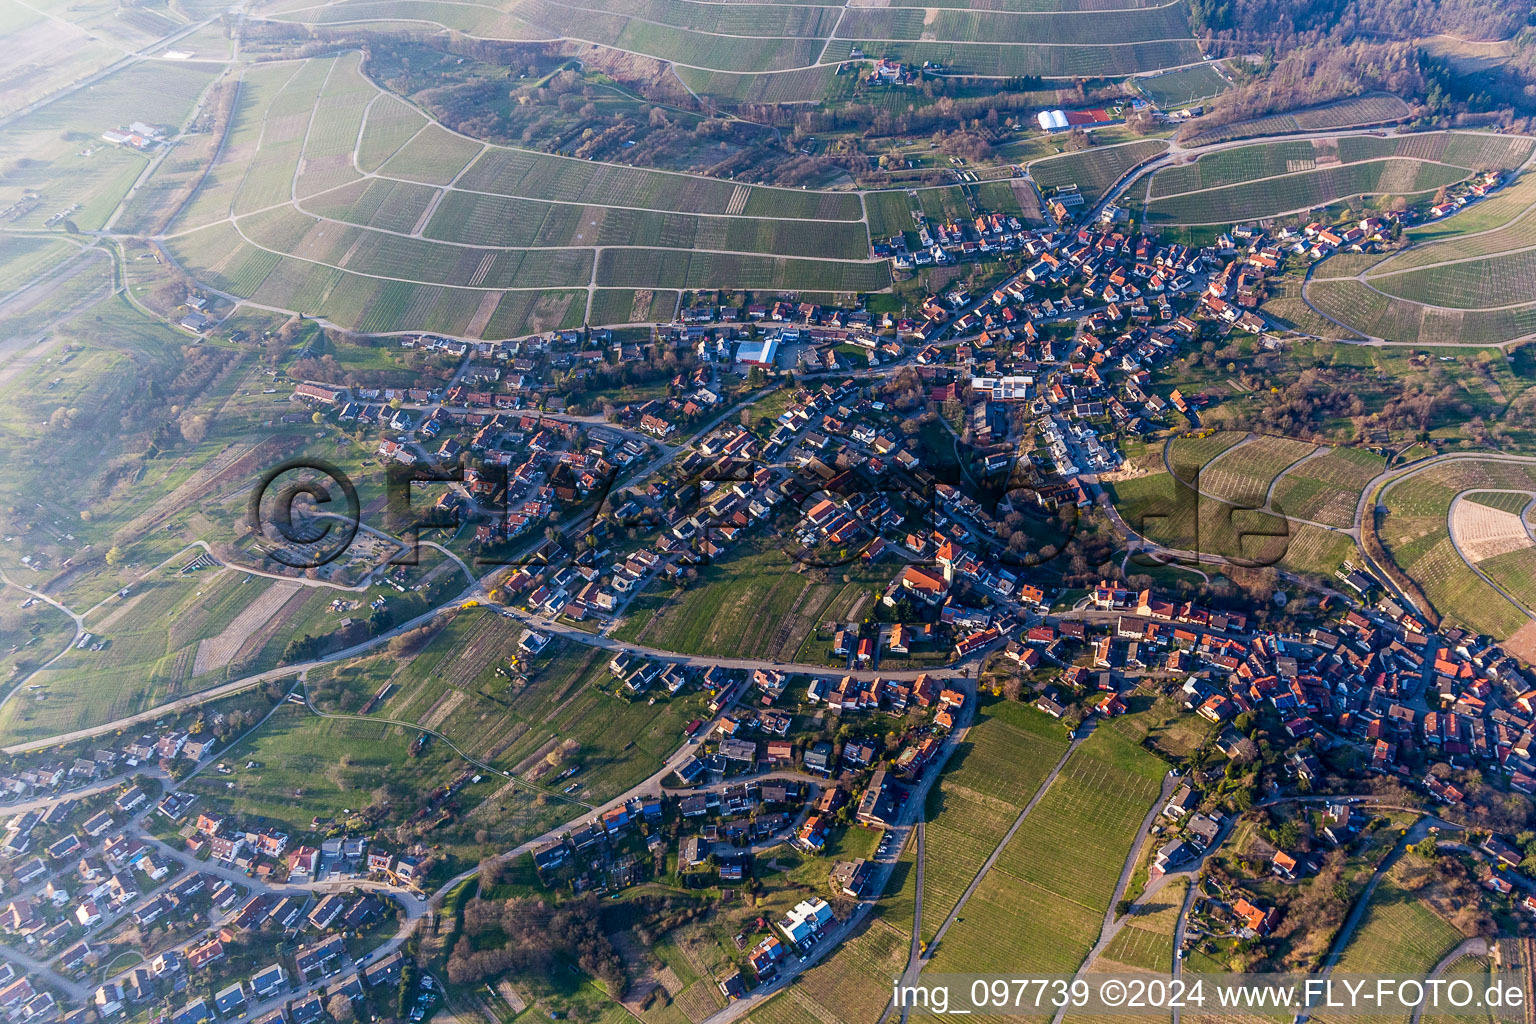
451, 235
1007, 754
1415, 532
1244, 473
1400, 934
785, 52
1469, 277
1469, 151
1195, 451
1301, 190
1377, 315
1327, 488
1094, 170
1377, 108
1242, 512
1044, 900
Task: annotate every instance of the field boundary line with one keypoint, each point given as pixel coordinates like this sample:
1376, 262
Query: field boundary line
1300, 173
997, 851
1362, 276
545, 288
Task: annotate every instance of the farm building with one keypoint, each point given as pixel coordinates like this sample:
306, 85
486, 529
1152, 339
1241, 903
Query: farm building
1052, 120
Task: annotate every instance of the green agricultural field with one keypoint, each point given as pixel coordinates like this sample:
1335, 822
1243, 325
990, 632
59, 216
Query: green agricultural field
143, 663
383, 203
334, 130
1168, 511
64, 46
1512, 502
1043, 902
632, 306
1182, 87
1474, 283
27, 258
1146, 941
1471, 152
102, 364
986, 783
1302, 190
460, 684
1327, 488
390, 125
1009, 27
1478, 972
1309, 549
891, 212
57, 152
1512, 571
482, 220
1005, 60
433, 156
1094, 170
1504, 209
755, 602
340, 212
29, 637
1196, 451
308, 768
853, 984
1078, 837
803, 85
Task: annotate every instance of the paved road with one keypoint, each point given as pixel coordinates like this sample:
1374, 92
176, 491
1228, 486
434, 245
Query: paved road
921, 855
37, 969
741, 780
40, 803
547, 625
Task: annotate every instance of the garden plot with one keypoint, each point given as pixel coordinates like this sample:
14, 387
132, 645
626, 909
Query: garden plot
1482, 532
217, 651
